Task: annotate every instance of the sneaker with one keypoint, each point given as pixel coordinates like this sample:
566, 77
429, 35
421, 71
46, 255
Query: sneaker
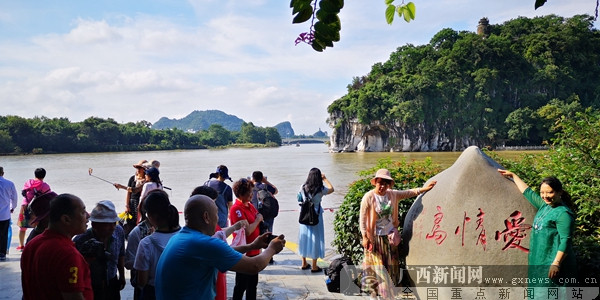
20, 248
2, 258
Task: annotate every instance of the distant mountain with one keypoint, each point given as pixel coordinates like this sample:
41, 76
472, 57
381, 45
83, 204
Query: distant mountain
201, 120
285, 129
320, 133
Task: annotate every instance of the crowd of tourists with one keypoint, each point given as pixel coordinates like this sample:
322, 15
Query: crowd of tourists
64, 259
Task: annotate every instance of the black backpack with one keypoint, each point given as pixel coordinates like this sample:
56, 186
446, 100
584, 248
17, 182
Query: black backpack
269, 208
338, 268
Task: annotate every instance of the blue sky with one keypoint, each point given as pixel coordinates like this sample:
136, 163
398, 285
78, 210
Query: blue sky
134, 60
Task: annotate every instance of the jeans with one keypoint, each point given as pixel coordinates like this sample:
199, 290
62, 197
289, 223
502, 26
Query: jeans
267, 226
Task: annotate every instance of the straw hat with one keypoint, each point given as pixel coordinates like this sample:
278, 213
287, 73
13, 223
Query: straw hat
140, 164
384, 174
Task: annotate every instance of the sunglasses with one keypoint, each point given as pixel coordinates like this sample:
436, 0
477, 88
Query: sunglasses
382, 181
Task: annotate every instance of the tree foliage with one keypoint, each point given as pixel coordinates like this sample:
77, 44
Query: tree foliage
59, 135
482, 88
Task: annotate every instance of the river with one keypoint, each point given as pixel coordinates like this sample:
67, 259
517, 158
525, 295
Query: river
286, 167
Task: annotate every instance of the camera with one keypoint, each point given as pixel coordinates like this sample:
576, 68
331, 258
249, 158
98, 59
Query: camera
271, 237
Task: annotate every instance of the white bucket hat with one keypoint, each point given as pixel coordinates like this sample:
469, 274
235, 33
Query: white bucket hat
104, 212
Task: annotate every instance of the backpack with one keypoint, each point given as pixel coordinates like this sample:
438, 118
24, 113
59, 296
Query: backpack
269, 207
25, 222
342, 268
308, 215
221, 202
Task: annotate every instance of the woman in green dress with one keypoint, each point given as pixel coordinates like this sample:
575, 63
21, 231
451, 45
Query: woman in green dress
551, 256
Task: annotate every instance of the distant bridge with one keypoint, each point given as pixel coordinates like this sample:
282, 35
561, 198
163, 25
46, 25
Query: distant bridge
290, 141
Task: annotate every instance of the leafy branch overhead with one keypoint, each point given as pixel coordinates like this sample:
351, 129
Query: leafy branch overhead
407, 11
325, 24
326, 29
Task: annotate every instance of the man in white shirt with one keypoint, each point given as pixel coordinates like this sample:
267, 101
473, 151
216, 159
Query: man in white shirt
8, 202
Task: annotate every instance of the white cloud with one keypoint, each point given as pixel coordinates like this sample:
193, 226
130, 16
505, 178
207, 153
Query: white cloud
88, 31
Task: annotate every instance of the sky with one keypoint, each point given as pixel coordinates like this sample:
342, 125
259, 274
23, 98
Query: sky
133, 60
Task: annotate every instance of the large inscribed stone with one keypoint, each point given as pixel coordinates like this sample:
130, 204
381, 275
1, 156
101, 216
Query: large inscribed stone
474, 224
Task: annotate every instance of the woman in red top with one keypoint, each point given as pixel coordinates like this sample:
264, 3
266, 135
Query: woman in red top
242, 209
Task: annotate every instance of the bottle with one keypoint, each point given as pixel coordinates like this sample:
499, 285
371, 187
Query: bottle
9, 236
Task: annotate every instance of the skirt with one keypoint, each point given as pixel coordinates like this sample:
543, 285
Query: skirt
311, 240
381, 268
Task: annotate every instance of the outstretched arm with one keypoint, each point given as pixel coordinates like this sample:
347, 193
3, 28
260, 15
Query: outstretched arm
265, 181
237, 226
521, 185
327, 183
255, 264
428, 187
262, 241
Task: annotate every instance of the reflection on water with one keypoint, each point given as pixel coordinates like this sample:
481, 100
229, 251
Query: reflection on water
286, 167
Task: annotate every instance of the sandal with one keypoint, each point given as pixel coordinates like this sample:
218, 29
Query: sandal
317, 270
305, 267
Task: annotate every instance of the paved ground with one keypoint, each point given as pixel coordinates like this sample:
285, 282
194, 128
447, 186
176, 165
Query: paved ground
281, 280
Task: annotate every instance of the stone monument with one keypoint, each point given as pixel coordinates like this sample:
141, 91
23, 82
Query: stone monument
475, 224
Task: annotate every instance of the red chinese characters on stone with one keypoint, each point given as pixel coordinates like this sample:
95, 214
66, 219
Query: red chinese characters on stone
481, 239
514, 232
465, 220
436, 233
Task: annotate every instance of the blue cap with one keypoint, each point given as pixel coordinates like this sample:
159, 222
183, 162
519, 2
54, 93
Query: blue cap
152, 172
224, 172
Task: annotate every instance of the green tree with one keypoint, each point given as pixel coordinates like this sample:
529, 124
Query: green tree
520, 123
472, 89
22, 132
251, 134
218, 135
6, 143
272, 136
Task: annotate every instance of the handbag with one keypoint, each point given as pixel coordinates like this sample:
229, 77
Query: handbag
394, 237
240, 238
308, 215
24, 220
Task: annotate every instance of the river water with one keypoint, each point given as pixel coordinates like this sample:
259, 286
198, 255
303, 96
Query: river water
286, 167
